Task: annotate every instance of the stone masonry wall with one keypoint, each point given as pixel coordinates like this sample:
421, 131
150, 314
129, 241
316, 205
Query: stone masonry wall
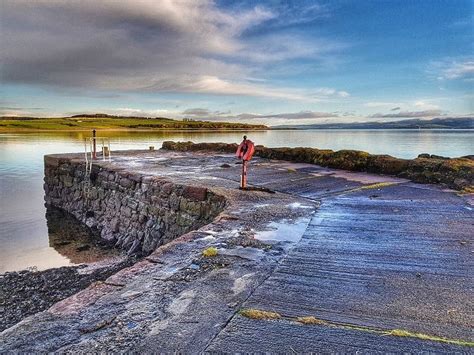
138, 213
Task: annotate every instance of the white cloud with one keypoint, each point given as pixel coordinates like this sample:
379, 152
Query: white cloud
425, 105
189, 46
281, 47
460, 70
409, 114
125, 111
454, 69
217, 86
206, 114
376, 104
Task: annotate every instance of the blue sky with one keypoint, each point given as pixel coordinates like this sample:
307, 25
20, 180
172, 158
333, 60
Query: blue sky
271, 62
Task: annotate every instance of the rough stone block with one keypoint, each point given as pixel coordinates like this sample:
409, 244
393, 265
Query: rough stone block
51, 161
124, 182
167, 188
195, 193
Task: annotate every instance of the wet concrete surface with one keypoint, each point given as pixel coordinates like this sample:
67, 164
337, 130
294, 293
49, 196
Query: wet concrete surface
365, 254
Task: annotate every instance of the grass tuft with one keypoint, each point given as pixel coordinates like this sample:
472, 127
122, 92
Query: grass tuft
468, 190
258, 314
310, 320
406, 333
209, 252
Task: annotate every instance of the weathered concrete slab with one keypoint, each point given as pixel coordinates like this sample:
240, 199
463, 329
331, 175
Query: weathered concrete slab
402, 260
370, 254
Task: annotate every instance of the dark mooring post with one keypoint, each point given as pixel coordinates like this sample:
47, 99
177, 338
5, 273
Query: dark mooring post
243, 177
94, 147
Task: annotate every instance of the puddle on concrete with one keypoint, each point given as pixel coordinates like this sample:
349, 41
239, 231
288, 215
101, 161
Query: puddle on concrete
154, 158
209, 237
284, 230
297, 205
134, 164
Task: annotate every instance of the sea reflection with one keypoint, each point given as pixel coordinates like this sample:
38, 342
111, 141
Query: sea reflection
74, 240
69, 243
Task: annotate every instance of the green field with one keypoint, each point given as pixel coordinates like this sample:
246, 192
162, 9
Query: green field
78, 123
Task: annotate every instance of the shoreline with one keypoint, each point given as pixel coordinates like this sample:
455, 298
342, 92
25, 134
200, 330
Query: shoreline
27, 292
28, 130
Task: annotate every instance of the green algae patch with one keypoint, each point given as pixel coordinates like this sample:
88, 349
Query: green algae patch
258, 314
209, 252
377, 185
406, 333
468, 190
310, 320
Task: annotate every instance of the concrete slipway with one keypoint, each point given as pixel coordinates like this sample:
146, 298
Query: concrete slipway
362, 254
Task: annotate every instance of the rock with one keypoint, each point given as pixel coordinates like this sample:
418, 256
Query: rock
195, 193
124, 182
167, 188
114, 225
83, 247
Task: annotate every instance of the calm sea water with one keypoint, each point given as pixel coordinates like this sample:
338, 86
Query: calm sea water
24, 237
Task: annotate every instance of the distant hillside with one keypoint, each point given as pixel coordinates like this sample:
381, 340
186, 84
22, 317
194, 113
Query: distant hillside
435, 123
109, 122
104, 115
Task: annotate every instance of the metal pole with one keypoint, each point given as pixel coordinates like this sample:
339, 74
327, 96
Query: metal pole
94, 154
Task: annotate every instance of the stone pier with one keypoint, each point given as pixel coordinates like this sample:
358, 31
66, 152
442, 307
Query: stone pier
136, 212
333, 261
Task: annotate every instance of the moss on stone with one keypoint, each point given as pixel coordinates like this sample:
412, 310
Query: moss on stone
406, 333
258, 314
209, 252
310, 320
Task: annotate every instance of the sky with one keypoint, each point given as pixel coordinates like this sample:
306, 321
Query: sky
271, 62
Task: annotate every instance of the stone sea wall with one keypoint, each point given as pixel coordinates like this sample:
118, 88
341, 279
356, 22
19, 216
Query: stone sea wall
456, 173
135, 212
